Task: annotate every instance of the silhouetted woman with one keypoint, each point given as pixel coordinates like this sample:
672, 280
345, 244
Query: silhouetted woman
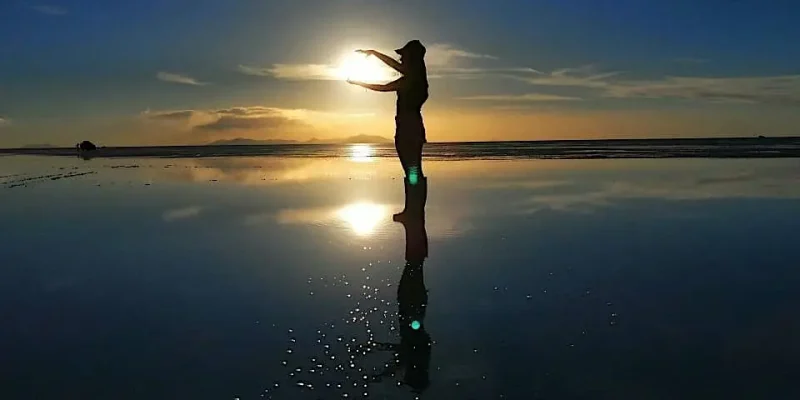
412, 92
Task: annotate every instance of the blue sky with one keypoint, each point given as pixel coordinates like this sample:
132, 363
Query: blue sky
122, 73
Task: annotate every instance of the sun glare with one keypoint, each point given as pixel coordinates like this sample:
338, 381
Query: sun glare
359, 67
361, 153
362, 217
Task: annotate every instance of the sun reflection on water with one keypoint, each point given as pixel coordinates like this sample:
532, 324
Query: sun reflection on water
361, 153
363, 218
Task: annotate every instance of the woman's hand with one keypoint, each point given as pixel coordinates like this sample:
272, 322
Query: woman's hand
366, 52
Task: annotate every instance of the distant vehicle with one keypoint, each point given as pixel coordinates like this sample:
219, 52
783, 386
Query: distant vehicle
85, 146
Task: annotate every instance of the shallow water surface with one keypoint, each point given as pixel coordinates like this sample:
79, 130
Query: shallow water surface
270, 277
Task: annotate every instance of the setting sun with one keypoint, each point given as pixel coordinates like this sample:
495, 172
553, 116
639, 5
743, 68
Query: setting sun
362, 68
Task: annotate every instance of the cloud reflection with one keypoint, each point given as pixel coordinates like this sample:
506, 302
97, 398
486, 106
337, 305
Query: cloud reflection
181, 213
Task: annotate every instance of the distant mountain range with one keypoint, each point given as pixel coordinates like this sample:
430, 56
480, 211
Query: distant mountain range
251, 142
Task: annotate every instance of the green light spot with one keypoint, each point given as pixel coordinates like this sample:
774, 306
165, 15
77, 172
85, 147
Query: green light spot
413, 175
415, 325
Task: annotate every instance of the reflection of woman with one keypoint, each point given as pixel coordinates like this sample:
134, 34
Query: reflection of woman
412, 92
413, 353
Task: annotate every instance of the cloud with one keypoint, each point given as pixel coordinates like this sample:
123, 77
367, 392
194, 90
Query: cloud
178, 78
4, 122
782, 90
779, 89
249, 122
690, 60
521, 98
181, 115
293, 71
49, 9
586, 76
440, 54
440, 58
249, 118
181, 213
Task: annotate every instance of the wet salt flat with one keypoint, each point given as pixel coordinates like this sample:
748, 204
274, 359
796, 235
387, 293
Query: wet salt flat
271, 277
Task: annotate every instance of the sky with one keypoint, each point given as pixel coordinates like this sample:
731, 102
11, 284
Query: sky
156, 72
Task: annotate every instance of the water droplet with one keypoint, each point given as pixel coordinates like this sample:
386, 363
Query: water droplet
528, 297
284, 362
289, 351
